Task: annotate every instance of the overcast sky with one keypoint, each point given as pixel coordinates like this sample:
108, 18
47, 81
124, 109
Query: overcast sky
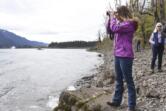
53, 20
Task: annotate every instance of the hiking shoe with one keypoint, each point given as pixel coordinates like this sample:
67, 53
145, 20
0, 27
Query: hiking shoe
131, 109
114, 104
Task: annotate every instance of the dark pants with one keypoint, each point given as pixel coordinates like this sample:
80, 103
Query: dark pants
138, 46
157, 52
123, 69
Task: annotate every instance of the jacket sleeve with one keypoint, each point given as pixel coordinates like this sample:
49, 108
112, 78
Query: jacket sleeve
122, 27
151, 39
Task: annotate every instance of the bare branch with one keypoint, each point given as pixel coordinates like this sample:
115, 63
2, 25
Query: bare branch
146, 13
143, 5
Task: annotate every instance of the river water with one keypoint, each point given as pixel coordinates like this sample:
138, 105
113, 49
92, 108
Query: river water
31, 79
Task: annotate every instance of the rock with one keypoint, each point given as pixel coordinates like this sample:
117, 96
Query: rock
145, 84
99, 55
85, 99
99, 83
153, 94
161, 100
87, 78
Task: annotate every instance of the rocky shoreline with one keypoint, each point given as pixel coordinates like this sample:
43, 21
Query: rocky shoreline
95, 90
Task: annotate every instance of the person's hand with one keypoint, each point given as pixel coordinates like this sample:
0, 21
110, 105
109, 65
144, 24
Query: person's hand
112, 14
115, 14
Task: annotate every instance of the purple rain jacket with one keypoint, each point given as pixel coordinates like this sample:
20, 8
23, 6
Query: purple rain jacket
124, 33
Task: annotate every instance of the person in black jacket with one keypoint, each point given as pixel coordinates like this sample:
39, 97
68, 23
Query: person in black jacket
138, 45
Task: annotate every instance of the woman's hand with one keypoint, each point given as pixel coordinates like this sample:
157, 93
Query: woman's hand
117, 16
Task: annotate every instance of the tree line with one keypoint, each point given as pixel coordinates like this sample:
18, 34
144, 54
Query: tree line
73, 44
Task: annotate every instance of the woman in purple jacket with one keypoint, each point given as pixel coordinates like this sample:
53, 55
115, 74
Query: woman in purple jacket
123, 27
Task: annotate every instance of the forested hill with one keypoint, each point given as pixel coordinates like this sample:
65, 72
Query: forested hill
73, 44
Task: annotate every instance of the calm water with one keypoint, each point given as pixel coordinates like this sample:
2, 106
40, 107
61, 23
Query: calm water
31, 80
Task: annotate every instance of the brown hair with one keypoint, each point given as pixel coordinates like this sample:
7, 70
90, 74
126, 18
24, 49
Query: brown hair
123, 11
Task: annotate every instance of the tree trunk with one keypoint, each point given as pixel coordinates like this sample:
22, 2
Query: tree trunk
143, 34
162, 11
156, 15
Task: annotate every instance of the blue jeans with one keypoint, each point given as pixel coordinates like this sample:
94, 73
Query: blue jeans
123, 69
